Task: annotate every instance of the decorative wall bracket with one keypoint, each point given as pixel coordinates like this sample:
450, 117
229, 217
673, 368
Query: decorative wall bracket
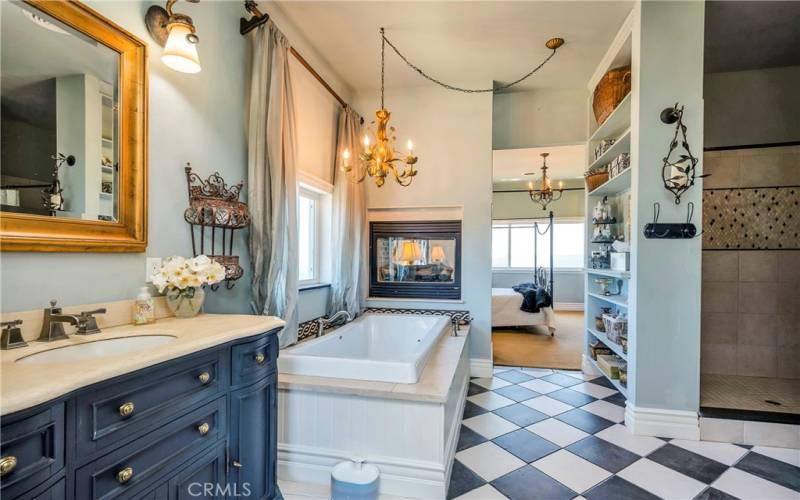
679, 170
214, 208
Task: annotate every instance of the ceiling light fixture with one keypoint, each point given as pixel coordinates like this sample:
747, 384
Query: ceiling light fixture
42, 22
176, 33
381, 159
545, 194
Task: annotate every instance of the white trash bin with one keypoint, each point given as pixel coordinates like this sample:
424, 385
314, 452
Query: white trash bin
354, 480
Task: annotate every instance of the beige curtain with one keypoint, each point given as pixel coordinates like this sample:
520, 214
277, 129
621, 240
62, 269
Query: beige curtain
272, 186
349, 223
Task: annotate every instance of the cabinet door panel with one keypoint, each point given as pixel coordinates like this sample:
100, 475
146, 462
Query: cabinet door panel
205, 478
253, 438
35, 443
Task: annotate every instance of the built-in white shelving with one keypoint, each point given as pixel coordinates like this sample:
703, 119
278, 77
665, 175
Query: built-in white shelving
615, 185
614, 382
622, 144
620, 127
617, 300
611, 345
610, 273
617, 122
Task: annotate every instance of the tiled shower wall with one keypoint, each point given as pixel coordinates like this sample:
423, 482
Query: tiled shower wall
751, 298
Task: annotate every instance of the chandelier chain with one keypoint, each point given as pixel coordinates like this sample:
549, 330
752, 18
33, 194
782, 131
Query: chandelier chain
383, 58
422, 73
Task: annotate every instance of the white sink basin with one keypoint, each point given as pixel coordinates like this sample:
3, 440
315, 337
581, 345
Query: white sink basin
97, 349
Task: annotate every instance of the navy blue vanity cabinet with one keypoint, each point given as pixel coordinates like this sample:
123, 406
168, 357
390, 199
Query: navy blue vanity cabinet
200, 426
254, 467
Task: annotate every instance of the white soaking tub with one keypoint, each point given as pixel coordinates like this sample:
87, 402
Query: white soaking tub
380, 347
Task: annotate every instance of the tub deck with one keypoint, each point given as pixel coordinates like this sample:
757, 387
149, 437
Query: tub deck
433, 385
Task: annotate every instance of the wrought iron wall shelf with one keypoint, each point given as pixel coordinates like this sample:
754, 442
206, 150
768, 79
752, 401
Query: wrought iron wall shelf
216, 212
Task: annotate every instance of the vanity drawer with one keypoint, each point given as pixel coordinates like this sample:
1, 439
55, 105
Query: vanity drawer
115, 413
134, 469
254, 360
32, 450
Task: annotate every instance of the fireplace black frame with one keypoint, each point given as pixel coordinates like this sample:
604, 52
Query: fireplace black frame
442, 229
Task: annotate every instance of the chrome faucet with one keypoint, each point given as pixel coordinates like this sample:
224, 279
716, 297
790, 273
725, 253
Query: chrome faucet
53, 323
322, 322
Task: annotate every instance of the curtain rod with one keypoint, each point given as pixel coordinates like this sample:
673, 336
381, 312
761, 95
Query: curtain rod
259, 18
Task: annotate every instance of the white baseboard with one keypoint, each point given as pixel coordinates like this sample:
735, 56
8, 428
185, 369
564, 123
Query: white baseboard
406, 478
479, 367
658, 422
568, 306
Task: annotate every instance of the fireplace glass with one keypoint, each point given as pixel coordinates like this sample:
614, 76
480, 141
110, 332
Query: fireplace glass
417, 259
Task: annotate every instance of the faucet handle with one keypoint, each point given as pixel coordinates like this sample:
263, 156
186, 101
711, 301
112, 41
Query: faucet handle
101, 310
87, 323
11, 337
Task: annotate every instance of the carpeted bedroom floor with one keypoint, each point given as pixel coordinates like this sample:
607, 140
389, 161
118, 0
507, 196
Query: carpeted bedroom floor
534, 347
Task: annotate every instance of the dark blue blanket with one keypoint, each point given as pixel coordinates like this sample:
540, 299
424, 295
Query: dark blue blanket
533, 297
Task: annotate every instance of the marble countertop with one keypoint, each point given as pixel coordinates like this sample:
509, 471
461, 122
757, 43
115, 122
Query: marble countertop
24, 385
433, 385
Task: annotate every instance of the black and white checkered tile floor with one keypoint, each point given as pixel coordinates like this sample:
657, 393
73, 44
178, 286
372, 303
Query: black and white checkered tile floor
543, 434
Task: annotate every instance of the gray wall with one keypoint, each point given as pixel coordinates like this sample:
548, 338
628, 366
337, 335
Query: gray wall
198, 118
752, 107
665, 350
539, 118
436, 119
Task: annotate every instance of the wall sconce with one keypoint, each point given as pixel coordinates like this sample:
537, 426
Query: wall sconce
176, 33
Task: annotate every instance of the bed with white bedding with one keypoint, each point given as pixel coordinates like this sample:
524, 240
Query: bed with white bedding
506, 311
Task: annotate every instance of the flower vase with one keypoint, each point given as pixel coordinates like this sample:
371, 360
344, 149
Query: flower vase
185, 303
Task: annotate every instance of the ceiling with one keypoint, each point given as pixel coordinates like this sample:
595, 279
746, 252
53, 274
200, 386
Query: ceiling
463, 43
564, 163
751, 35
32, 53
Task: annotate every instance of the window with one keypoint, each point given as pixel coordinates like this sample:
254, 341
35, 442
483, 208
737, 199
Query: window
308, 225
515, 243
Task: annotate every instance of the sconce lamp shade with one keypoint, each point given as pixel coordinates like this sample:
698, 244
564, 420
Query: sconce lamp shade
410, 252
437, 254
180, 54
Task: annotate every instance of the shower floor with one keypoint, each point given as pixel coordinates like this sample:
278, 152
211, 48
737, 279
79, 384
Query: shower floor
750, 393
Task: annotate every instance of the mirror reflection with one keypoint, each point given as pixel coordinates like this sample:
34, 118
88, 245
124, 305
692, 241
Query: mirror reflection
416, 260
59, 101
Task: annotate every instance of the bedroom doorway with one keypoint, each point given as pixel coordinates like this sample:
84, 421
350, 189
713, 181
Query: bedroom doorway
537, 257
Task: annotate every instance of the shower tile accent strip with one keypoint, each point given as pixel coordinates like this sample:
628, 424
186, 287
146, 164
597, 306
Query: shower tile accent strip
308, 329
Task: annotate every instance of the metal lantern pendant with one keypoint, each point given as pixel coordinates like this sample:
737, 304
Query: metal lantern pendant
679, 169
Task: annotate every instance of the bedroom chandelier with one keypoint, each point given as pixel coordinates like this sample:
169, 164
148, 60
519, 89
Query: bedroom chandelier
545, 194
382, 158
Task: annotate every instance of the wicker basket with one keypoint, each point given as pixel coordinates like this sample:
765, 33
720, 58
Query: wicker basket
594, 181
610, 91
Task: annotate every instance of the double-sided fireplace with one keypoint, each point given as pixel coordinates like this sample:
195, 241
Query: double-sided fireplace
420, 260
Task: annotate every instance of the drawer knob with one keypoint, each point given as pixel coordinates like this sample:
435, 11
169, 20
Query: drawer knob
203, 428
204, 378
260, 358
125, 475
126, 409
7, 465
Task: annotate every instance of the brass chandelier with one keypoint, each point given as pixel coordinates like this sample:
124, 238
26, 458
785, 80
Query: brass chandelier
545, 194
382, 158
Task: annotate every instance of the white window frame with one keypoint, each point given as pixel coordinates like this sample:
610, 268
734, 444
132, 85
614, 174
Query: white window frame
316, 251
525, 222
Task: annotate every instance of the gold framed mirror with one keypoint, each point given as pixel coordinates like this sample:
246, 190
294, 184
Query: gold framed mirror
74, 127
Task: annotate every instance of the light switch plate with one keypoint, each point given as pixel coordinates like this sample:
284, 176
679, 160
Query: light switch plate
152, 265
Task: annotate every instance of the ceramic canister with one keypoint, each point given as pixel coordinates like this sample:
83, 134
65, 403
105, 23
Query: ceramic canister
354, 480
